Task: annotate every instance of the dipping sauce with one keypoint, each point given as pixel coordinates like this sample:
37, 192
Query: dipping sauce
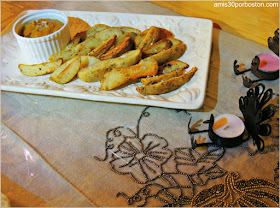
41, 27
228, 126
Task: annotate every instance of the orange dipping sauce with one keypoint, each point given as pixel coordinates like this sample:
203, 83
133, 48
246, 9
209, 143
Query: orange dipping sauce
41, 27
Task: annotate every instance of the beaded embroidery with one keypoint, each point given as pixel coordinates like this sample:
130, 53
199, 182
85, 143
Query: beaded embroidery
144, 159
254, 192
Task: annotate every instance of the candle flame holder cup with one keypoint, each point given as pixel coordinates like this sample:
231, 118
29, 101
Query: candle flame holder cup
221, 141
265, 66
254, 115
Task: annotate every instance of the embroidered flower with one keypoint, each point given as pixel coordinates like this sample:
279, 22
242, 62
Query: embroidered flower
142, 158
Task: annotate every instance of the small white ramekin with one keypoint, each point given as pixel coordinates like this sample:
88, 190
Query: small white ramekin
38, 50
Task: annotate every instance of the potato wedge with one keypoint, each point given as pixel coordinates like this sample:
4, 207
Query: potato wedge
100, 50
87, 45
119, 76
87, 61
170, 54
122, 48
96, 72
139, 38
78, 38
150, 38
122, 37
162, 77
40, 69
172, 66
167, 85
157, 47
95, 29
164, 33
67, 71
75, 41
129, 29
68, 54
175, 42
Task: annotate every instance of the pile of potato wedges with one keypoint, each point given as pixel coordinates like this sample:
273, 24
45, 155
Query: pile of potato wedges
117, 56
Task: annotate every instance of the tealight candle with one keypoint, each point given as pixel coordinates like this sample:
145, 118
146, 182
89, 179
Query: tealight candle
268, 66
228, 126
269, 62
226, 130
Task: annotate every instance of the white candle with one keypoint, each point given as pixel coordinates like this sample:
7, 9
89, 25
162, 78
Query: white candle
228, 126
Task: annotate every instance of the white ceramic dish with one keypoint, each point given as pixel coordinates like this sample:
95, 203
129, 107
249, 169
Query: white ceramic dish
196, 33
39, 49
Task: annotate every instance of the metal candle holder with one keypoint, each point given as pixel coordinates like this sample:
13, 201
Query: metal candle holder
215, 138
273, 42
256, 71
273, 45
254, 114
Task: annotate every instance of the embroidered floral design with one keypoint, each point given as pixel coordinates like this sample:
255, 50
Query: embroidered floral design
142, 158
145, 159
254, 192
186, 157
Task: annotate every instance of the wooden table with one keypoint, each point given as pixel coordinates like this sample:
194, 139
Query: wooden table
255, 24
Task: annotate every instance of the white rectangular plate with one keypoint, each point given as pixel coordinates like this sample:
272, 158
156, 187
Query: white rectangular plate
196, 33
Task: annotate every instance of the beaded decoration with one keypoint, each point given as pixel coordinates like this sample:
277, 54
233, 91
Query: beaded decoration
254, 192
276, 174
144, 159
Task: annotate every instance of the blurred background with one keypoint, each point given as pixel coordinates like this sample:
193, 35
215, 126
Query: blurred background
256, 21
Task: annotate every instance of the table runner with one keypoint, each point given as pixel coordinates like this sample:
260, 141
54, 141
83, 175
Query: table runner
72, 152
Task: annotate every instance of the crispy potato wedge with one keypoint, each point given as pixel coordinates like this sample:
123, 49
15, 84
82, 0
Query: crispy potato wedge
172, 66
104, 35
96, 72
87, 45
162, 77
122, 37
68, 54
67, 71
175, 42
122, 48
150, 38
164, 33
75, 41
139, 38
78, 38
167, 85
87, 61
170, 54
157, 47
40, 69
129, 29
95, 29
100, 50
119, 76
